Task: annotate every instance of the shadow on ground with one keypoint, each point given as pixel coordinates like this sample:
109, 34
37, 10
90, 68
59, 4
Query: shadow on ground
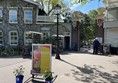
35, 81
89, 73
115, 62
15, 56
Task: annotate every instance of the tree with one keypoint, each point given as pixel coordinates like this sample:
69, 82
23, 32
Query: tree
51, 4
101, 10
85, 29
92, 14
83, 2
65, 6
88, 26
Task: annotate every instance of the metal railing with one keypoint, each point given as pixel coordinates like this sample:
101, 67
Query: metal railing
45, 18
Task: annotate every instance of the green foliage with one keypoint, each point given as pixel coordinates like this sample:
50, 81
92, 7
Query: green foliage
104, 1
88, 26
101, 10
52, 3
83, 2
49, 40
92, 14
19, 70
65, 6
48, 75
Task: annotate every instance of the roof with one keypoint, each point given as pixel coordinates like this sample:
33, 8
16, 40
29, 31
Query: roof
33, 2
58, 35
33, 32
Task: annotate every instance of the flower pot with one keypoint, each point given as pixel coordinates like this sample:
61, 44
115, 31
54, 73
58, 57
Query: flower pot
48, 81
19, 78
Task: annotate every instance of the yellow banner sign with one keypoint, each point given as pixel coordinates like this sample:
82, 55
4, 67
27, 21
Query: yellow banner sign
41, 58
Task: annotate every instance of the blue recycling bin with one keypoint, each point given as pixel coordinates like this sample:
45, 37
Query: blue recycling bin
19, 78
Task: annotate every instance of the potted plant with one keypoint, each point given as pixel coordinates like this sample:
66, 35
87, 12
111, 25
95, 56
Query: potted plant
19, 74
48, 76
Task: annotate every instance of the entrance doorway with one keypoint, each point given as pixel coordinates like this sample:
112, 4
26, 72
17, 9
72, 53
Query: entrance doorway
67, 43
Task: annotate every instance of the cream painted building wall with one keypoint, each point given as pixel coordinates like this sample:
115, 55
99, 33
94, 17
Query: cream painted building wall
111, 23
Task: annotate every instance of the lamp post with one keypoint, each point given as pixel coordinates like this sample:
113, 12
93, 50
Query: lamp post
57, 11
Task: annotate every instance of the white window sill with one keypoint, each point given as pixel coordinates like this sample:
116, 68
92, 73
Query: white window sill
28, 23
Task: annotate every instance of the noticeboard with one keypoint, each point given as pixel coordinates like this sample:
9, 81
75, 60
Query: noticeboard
41, 58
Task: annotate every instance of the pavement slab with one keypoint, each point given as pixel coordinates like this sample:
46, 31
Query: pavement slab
72, 68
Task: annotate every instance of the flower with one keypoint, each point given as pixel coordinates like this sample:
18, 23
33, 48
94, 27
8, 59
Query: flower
19, 70
48, 75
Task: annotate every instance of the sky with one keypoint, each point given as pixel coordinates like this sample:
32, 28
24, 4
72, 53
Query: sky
89, 6
85, 8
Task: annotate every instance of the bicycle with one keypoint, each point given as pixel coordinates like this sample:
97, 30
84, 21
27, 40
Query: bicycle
106, 49
7, 51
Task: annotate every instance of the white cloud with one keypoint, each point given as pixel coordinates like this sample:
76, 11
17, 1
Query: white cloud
74, 6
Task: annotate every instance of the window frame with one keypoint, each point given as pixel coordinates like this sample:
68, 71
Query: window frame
26, 39
1, 9
2, 37
13, 14
10, 41
25, 16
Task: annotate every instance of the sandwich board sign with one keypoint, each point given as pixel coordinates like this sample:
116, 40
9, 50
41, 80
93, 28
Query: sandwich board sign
41, 58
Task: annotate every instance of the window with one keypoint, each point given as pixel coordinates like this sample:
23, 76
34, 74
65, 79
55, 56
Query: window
13, 37
1, 37
28, 38
28, 16
13, 16
1, 15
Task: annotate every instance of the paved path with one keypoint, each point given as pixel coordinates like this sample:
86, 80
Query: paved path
86, 68
73, 68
